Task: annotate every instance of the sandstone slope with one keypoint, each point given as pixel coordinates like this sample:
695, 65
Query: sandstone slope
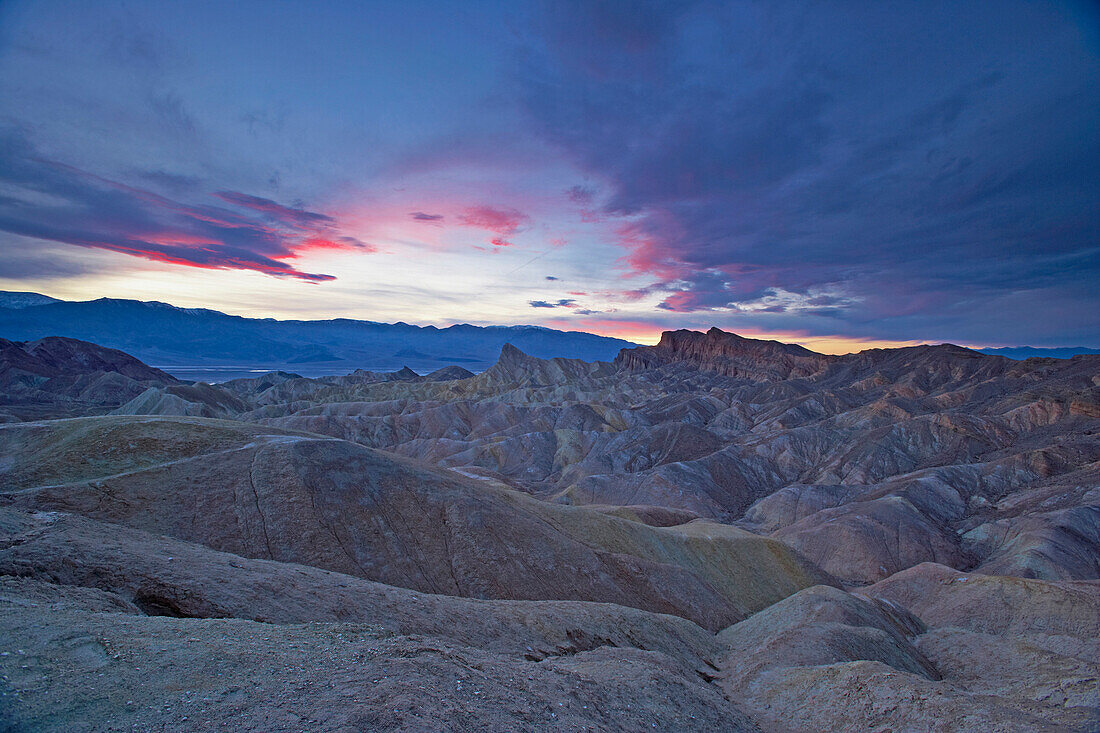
340, 506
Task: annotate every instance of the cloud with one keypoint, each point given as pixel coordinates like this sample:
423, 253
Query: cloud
581, 195
49, 200
175, 182
551, 277
285, 215
421, 216
563, 303
504, 222
30, 259
172, 114
751, 149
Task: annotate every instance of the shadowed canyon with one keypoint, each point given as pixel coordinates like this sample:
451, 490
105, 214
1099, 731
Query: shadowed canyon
713, 533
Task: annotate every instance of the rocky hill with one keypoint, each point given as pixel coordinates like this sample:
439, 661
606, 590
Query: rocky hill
714, 531
727, 354
55, 375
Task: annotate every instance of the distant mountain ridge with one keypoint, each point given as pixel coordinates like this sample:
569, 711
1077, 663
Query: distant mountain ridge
1027, 352
166, 335
163, 334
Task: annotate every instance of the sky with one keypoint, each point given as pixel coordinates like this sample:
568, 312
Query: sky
840, 174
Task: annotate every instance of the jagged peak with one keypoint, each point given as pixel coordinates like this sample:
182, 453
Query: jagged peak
511, 354
517, 367
515, 363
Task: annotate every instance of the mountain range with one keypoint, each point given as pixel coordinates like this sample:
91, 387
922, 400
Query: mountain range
172, 337
1027, 352
204, 344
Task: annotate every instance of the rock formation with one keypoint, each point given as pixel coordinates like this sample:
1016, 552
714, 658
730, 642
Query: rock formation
712, 533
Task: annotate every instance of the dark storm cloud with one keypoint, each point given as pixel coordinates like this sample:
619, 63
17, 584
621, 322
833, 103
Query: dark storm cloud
915, 160
49, 200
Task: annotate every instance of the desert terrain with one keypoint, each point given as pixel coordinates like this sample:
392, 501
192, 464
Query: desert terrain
713, 533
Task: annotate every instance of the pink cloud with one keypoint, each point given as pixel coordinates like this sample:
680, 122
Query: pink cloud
88, 210
504, 222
